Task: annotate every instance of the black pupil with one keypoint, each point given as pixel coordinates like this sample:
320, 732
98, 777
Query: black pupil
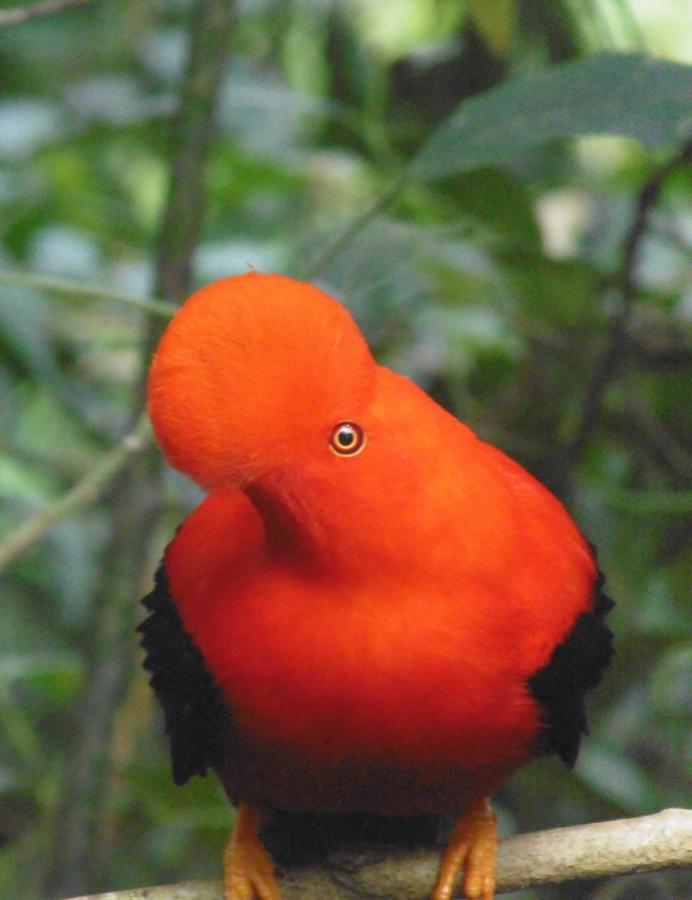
346, 437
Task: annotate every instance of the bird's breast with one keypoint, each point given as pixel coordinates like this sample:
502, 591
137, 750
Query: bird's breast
384, 672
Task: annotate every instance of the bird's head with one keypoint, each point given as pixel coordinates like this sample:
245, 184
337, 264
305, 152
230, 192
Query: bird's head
255, 374
266, 384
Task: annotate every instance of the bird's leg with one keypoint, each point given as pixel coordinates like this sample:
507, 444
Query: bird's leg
472, 847
248, 869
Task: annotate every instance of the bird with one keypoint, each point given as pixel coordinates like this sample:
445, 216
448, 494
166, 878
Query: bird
372, 613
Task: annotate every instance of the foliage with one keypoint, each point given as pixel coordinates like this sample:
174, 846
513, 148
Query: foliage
487, 263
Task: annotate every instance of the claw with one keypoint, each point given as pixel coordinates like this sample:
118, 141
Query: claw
472, 847
248, 869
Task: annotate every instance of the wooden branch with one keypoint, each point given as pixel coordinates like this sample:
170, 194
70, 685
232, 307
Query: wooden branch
619, 847
21, 14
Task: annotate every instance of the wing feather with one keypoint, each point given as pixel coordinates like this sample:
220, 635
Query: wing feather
576, 666
191, 700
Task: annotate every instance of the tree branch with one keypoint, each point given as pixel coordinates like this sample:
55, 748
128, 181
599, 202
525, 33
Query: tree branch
324, 257
627, 282
83, 841
68, 288
90, 487
87, 490
619, 847
192, 134
21, 14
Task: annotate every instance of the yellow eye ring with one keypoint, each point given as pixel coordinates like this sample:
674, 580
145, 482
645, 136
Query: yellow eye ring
348, 439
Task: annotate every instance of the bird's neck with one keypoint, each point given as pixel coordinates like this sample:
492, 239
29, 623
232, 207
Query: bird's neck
290, 528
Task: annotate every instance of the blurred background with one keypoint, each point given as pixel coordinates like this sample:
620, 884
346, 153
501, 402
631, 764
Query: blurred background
531, 284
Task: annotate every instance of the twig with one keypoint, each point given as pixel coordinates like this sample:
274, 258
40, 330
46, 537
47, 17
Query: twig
619, 847
85, 491
617, 339
659, 442
320, 262
21, 14
69, 288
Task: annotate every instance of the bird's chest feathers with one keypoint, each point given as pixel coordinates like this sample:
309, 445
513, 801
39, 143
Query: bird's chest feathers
332, 670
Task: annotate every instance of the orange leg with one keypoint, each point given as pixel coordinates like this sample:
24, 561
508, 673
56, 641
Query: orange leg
471, 847
248, 869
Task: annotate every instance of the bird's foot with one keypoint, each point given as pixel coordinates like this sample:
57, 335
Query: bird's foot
472, 847
248, 869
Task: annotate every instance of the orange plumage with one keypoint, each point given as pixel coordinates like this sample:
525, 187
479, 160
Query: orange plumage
376, 609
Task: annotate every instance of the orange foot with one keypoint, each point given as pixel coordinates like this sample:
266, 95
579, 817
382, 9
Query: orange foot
471, 847
248, 869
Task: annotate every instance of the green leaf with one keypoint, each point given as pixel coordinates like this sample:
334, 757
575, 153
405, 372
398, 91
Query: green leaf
501, 203
607, 93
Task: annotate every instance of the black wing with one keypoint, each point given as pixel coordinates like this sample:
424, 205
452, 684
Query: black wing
192, 704
576, 666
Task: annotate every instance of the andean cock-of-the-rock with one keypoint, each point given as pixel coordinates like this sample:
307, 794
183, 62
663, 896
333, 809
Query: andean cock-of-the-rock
374, 617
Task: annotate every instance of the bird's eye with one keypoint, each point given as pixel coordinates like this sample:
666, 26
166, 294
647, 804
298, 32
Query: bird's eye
347, 439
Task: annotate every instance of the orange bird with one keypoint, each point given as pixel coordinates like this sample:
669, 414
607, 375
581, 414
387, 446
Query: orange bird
373, 614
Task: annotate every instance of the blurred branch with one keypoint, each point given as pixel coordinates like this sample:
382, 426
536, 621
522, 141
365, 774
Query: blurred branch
89, 488
659, 441
179, 237
627, 289
21, 14
86, 490
619, 847
66, 287
320, 262
135, 498
192, 134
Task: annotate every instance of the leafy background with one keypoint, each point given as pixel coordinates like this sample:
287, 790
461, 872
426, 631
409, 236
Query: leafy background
492, 273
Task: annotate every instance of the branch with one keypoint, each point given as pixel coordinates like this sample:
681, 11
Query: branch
180, 229
69, 288
36, 10
627, 282
83, 838
194, 128
87, 490
322, 259
619, 847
